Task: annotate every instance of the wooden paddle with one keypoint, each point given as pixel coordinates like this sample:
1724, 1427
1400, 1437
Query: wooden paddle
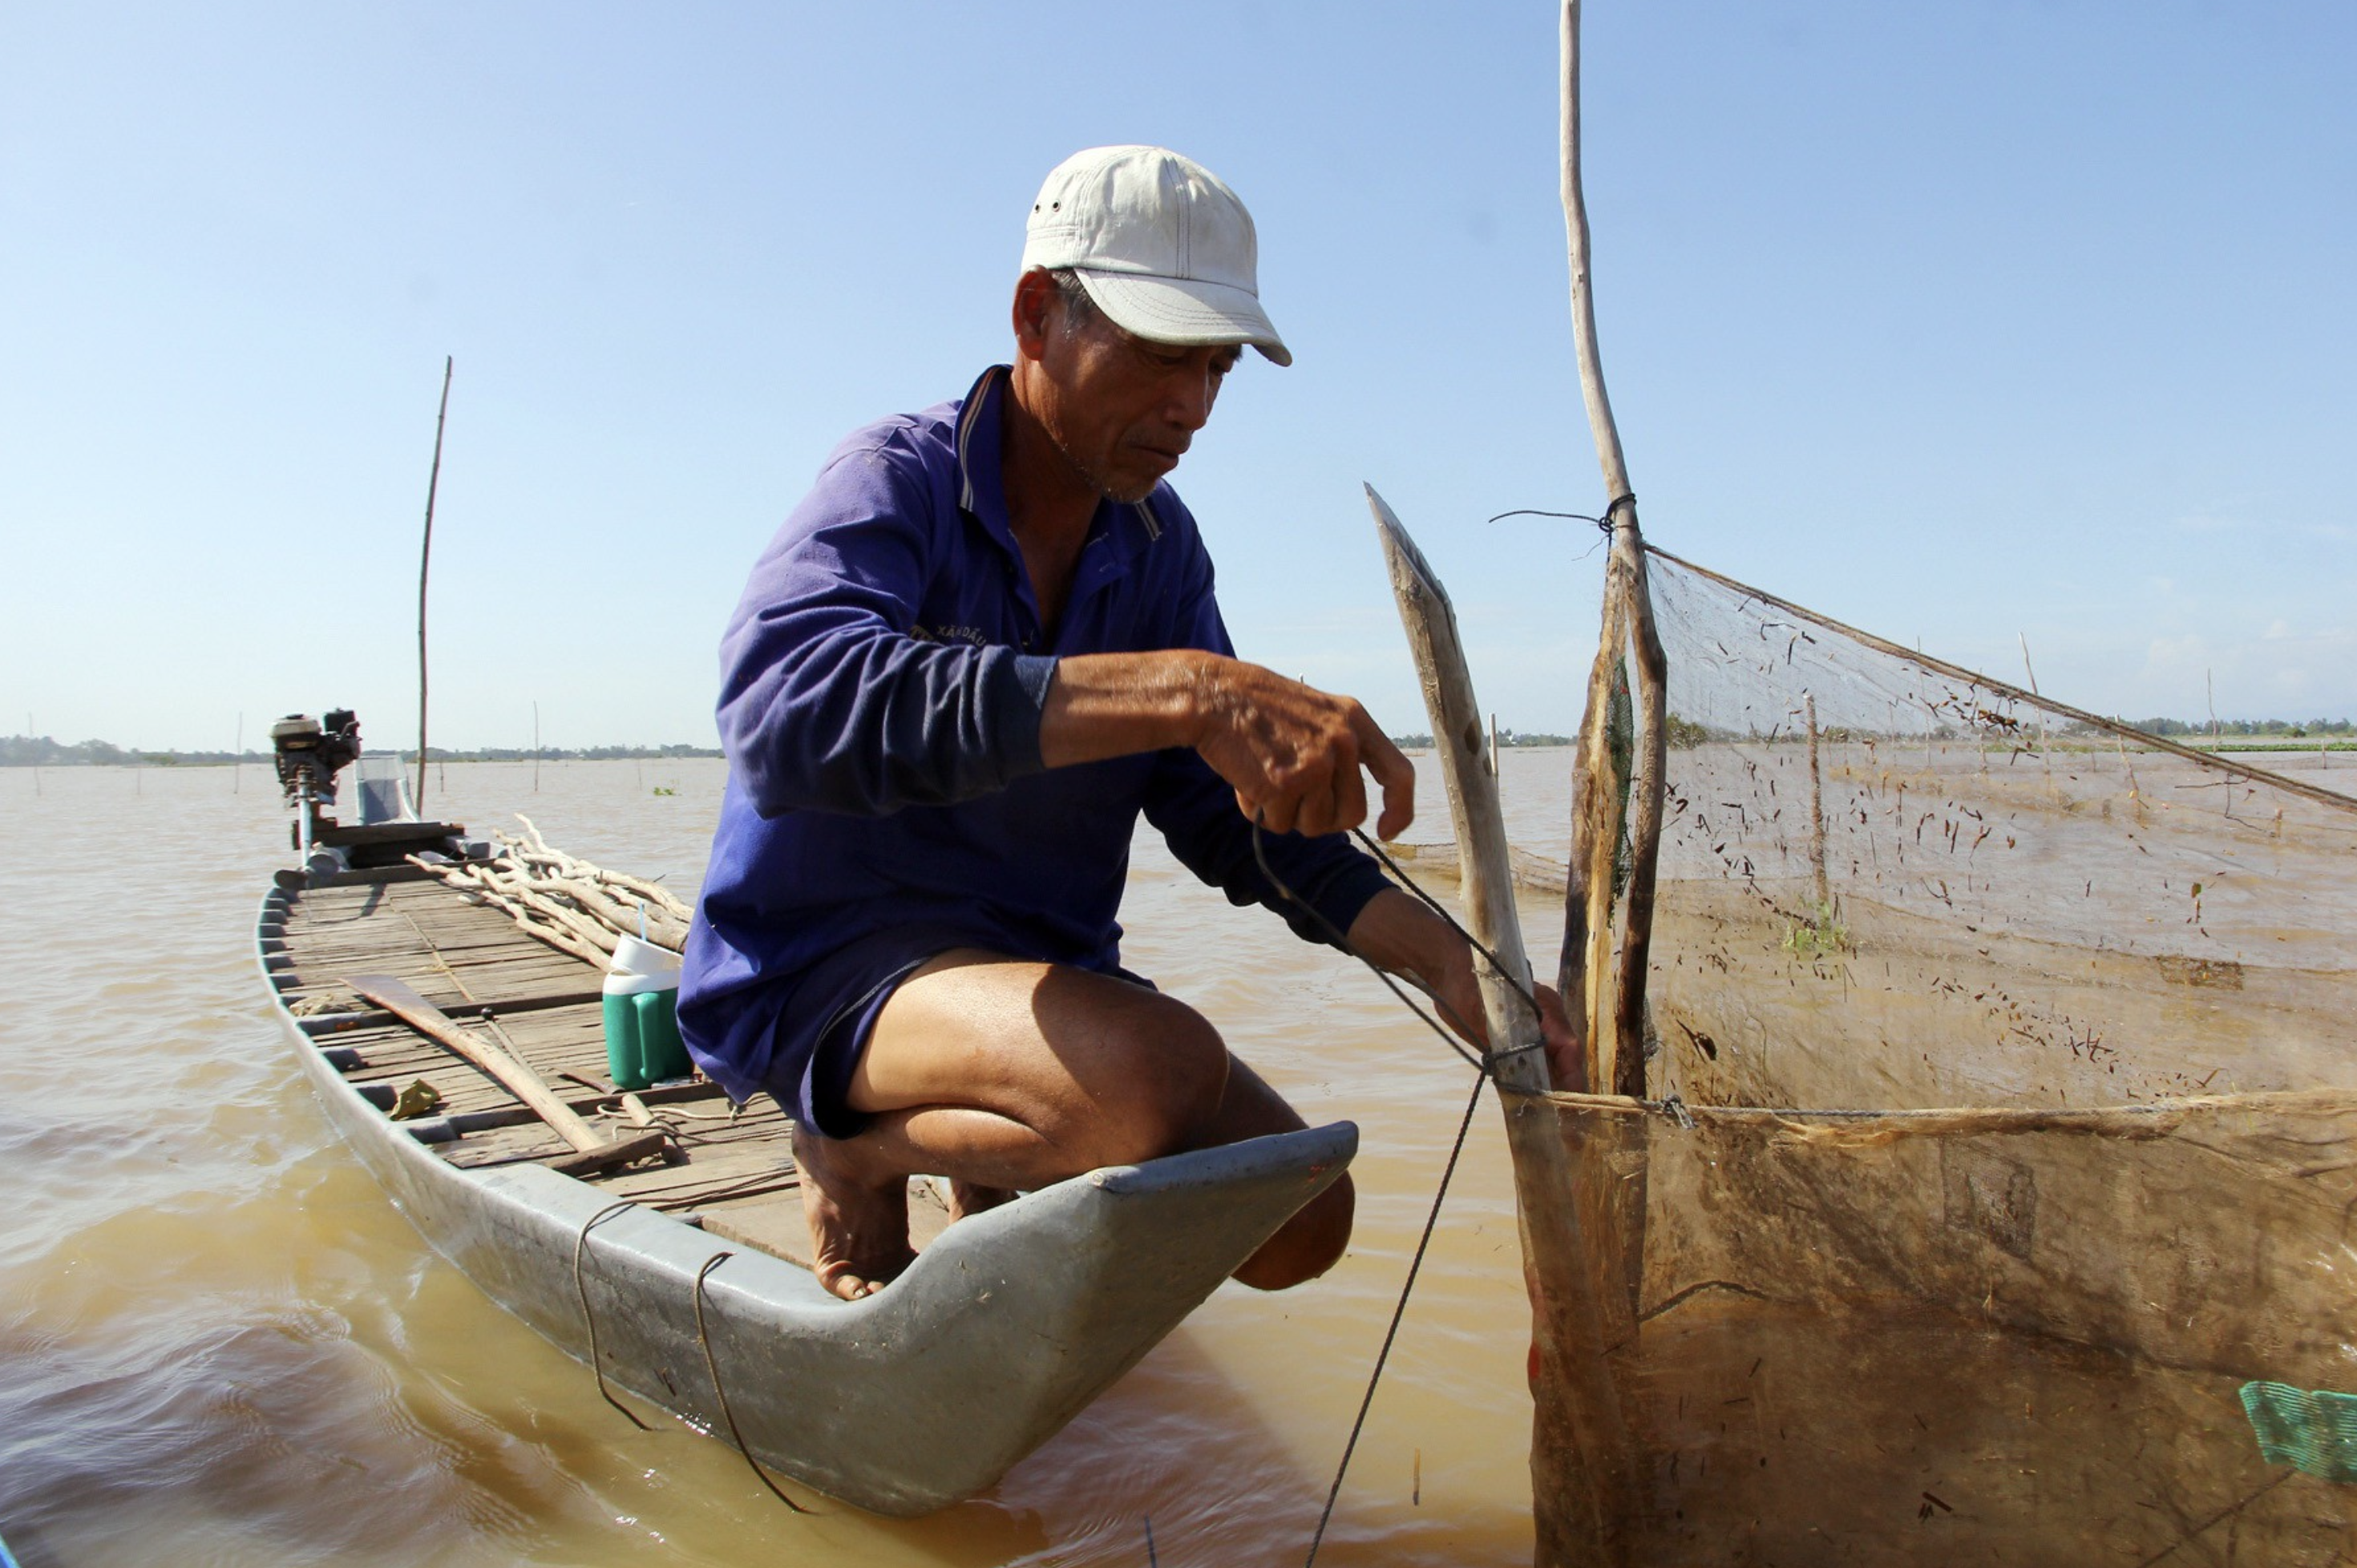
592, 1152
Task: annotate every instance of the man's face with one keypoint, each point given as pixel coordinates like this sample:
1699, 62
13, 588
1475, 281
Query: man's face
1123, 409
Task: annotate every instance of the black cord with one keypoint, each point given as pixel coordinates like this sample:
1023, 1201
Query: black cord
1625, 499
1417, 890
1398, 1311
588, 1321
703, 1343
1485, 1067
1488, 1061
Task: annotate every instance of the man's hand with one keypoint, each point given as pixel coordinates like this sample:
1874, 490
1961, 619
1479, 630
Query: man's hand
1401, 935
1291, 752
1294, 752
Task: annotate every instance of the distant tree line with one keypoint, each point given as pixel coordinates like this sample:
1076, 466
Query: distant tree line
1684, 732
2283, 728
41, 751
1505, 737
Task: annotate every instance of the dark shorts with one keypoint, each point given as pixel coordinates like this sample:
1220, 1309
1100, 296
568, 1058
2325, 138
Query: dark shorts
823, 1031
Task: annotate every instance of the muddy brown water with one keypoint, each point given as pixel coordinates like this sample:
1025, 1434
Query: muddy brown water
220, 1344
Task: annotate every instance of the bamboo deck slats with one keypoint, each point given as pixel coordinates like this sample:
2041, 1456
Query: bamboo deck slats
732, 1169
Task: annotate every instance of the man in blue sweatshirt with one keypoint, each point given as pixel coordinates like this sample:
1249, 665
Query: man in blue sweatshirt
979, 649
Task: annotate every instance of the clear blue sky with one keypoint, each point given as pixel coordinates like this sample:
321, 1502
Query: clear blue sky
1956, 321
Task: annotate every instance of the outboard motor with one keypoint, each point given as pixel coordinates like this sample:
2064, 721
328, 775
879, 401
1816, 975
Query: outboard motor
310, 753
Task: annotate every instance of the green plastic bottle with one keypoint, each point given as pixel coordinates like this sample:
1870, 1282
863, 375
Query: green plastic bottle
661, 1053
641, 992
625, 1059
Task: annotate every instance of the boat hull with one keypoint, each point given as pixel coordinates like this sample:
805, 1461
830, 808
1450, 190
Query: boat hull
1004, 1329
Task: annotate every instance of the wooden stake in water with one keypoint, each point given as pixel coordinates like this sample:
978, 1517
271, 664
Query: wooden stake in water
425, 560
1817, 814
2032, 672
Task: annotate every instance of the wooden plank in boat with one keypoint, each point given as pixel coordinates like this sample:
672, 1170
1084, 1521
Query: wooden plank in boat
738, 1175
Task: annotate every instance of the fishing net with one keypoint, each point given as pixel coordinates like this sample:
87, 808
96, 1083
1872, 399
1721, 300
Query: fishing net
1992, 1198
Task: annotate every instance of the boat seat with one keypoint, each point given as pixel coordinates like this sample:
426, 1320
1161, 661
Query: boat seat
384, 787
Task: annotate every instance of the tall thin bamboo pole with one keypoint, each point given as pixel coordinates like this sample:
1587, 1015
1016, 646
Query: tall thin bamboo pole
1614, 1025
1583, 301
2045, 752
424, 561
1817, 816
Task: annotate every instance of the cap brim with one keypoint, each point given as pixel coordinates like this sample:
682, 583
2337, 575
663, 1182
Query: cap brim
1184, 311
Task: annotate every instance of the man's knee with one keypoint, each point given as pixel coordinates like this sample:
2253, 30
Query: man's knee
1173, 1075
1306, 1246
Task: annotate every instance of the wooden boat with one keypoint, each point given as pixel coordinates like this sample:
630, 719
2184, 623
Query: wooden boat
683, 1280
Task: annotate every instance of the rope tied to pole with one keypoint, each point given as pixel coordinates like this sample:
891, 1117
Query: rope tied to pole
1604, 523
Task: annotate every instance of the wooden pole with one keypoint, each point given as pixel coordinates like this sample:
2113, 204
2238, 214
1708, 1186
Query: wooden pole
1582, 973
1817, 815
1583, 302
396, 997
1615, 1039
2045, 752
1488, 883
1570, 1209
425, 560
1646, 799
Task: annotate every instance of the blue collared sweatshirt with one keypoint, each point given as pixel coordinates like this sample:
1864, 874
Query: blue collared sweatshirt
882, 682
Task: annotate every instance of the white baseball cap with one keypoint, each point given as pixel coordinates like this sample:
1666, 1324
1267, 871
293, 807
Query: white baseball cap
1160, 243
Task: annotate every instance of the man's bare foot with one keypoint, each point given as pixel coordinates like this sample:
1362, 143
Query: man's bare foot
859, 1223
967, 1197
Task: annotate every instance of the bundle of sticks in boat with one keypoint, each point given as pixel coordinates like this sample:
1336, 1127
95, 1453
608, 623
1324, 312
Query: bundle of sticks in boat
569, 903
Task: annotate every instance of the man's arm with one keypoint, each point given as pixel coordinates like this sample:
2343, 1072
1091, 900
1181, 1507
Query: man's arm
1399, 934
1284, 747
827, 701
1291, 752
